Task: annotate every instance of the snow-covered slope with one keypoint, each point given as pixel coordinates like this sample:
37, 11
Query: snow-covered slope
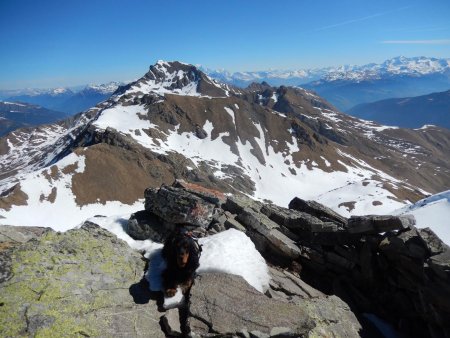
175, 122
432, 212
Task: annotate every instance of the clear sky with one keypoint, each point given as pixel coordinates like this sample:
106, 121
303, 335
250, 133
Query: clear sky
51, 43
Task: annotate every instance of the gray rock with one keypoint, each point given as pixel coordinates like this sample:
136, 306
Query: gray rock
80, 282
373, 224
297, 220
318, 210
227, 305
258, 334
144, 225
333, 318
175, 205
267, 236
289, 284
408, 243
171, 323
19, 234
209, 195
282, 332
232, 223
237, 204
433, 242
440, 264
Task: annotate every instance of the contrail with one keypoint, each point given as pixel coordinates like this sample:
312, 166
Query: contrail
361, 19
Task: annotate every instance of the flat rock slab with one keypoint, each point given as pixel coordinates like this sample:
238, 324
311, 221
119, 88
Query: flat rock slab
373, 224
318, 210
227, 304
269, 232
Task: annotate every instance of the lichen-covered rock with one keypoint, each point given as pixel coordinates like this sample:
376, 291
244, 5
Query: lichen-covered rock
75, 283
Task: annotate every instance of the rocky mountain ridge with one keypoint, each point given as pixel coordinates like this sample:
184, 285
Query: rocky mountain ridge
329, 275
176, 122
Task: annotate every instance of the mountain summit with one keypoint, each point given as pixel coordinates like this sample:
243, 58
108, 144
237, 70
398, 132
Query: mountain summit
270, 143
178, 78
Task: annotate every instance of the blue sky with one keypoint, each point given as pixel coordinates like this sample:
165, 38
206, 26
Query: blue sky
66, 43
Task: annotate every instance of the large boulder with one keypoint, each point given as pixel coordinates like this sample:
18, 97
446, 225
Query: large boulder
75, 283
179, 206
224, 304
227, 305
144, 225
318, 210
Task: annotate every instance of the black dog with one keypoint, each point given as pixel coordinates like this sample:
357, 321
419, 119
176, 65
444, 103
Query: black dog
182, 254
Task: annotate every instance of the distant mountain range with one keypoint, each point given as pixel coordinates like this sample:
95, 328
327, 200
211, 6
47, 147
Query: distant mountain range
175, 122
408, 112
63, 99
347, 86
14, 115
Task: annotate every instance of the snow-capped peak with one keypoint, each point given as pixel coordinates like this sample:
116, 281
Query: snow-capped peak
177, 78
58, 91
400, 65
104, 88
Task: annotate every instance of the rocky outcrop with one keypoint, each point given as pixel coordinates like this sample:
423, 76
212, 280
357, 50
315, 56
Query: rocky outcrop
213, 308
290, 312
328, 274
178, 206
76, 283
379, 265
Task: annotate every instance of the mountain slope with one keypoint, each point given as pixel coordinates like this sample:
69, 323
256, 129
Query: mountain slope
176, 122
408, 112
14, 115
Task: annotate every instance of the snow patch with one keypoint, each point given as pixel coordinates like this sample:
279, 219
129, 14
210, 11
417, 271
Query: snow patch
432, 212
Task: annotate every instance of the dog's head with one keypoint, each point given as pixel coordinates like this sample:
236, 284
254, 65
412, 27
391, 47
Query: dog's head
182, 251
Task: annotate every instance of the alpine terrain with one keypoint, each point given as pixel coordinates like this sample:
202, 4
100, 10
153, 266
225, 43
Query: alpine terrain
348, 85
271, 143
273, 183
14, 115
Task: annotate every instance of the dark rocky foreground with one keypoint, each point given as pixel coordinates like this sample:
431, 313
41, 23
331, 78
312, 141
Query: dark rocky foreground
329, 274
